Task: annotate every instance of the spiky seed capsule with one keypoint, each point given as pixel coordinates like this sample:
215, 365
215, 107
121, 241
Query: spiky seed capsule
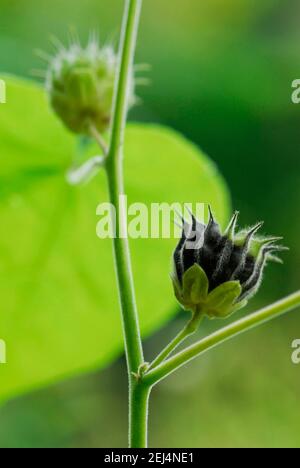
217, 273
80, 82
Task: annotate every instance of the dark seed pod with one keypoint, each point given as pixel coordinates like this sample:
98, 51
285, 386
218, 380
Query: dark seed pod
217, 273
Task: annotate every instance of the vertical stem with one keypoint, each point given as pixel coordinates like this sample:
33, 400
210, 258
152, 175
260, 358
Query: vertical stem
126, 56
139, 411
114, 170
132, 338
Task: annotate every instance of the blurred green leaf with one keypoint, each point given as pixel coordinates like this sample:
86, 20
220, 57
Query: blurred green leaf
59, 308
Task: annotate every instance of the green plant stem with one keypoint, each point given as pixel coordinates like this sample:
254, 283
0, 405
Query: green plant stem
125, 75
235, 329
99, 139
114, 170
140, 394
132, 338
190, 328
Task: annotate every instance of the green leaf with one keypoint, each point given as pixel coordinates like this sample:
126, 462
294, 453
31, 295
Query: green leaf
221, 302
59, 307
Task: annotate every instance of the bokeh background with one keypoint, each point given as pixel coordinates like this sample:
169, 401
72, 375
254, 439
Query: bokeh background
221, 74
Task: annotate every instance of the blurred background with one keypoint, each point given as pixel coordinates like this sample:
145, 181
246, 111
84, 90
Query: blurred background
221, 74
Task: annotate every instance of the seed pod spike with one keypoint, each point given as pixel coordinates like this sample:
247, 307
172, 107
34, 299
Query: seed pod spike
230, 230
245, 249
211, 216
226, 249
179, 251
276, 248
250, 235
272, 239
212, 234
253, 231
275, 259
180, 216
269, 248
185, 226
56, 43
250, 287
43, 55
197, 226
177, 223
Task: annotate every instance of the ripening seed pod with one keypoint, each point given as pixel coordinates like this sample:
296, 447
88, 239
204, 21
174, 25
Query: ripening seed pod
80, 83
217, 273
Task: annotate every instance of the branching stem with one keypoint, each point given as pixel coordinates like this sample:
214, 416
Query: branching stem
138, 393
191, 327
140, 383
268, 313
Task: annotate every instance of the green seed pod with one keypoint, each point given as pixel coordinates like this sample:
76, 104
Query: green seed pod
217, 273
80, 82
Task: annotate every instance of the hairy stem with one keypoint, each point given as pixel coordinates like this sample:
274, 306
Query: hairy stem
133, 346
126, 56
268, 313
114, 170
140, 394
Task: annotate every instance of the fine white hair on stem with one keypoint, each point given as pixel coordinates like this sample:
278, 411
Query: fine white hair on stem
143, 82
142, 67
43, 55
94, 37
73, 36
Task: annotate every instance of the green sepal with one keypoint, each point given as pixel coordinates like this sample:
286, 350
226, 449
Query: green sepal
193, 294
177, 289
222, 301
194, 290
195, 285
